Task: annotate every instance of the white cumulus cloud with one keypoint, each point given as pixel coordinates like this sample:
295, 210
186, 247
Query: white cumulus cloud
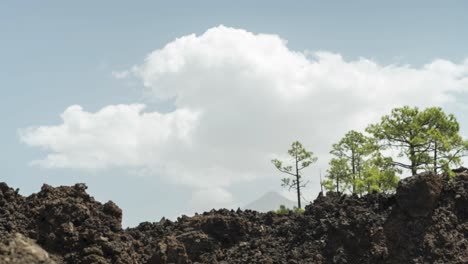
117, 135
240, 98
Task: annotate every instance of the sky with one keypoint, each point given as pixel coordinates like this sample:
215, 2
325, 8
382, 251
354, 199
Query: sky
172, 107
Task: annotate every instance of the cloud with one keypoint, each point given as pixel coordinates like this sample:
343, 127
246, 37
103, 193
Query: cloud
240, 98
117, 135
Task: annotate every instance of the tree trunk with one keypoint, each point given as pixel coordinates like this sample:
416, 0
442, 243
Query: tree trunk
354, 171
435, 158
298, 185
414, 169
337, 184
321, 185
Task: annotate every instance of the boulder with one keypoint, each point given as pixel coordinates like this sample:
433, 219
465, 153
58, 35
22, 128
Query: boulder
418, 195
20, 250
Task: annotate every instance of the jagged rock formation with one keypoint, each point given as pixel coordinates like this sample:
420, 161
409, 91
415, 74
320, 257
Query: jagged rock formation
424, 222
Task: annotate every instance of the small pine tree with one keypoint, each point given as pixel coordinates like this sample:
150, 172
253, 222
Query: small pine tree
301, 159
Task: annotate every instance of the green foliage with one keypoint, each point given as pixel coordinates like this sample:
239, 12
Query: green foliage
360, 167
338, 175
283, 210
347, 169
301, 159
380, 175
444, 141
298, 210
404, 130
330, 185
429, 139
387, 173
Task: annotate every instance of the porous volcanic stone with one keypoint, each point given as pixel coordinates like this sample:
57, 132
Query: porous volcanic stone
419, 194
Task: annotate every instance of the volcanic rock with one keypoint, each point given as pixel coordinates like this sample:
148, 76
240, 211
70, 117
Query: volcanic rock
418, 195
425, 221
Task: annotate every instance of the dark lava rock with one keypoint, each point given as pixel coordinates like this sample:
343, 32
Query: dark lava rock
418, 195
170, 250
460, 170
426, 221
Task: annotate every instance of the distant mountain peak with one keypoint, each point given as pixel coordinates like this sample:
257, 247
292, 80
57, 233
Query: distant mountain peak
270, 201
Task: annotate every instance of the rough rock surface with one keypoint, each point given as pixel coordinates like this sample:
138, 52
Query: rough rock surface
426, 221
18, 249
418, 195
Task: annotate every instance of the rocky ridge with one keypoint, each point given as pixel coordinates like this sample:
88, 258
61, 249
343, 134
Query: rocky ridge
424, 222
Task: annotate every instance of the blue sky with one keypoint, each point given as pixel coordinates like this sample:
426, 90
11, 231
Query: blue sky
57, 54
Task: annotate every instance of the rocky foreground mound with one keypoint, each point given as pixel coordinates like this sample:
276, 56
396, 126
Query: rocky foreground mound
424, 222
